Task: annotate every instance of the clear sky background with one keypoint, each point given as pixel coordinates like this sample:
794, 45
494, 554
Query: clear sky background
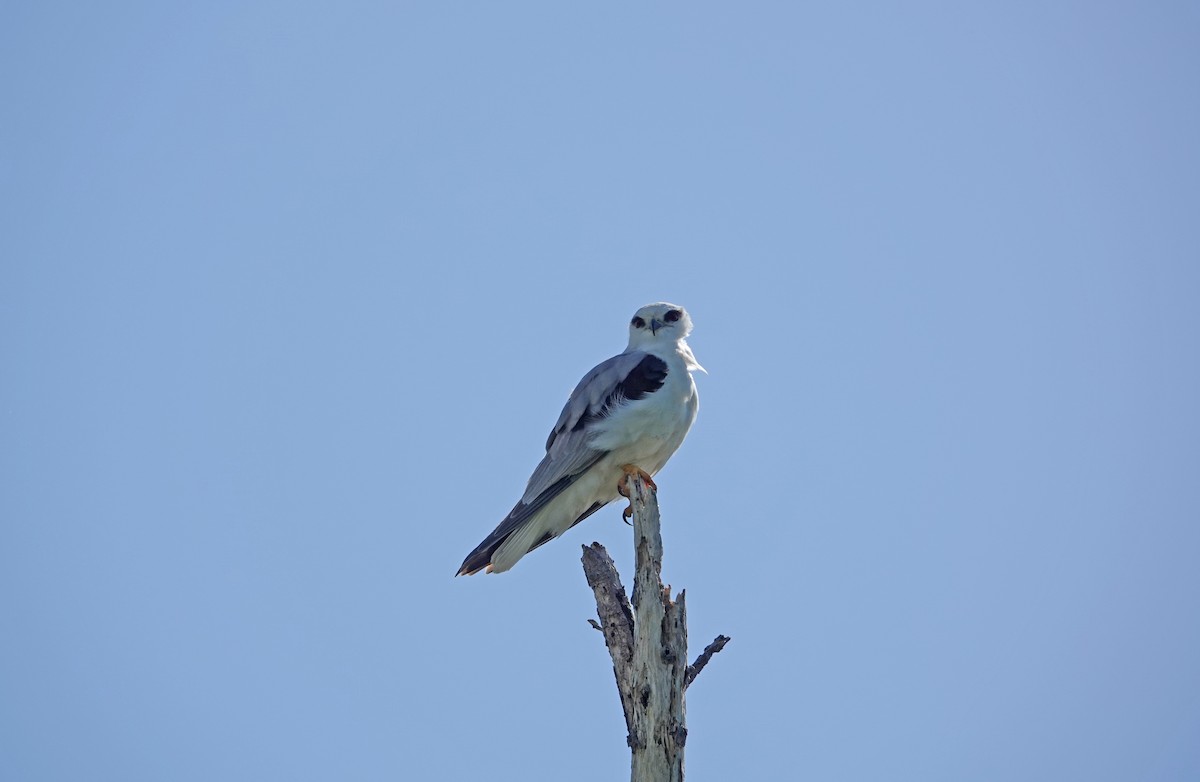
292, 293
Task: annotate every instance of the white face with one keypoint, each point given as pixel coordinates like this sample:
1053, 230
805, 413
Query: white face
661, 322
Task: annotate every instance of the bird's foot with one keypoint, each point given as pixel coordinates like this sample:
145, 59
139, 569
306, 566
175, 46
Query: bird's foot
630, 470
633, 469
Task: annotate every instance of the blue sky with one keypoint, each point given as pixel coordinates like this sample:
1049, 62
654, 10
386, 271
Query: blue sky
292, 292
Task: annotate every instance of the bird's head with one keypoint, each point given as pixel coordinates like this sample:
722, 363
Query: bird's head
658, 324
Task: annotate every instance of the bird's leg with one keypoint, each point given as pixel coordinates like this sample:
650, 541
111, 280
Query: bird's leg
628, 470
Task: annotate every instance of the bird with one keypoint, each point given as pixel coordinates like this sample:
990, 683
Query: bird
628, 415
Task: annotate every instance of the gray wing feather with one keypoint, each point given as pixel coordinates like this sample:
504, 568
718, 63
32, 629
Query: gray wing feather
568, 450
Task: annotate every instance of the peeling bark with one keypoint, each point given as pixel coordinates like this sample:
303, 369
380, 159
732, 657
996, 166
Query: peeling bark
647, 641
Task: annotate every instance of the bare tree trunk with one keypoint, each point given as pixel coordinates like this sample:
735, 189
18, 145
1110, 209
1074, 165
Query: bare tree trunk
647, 643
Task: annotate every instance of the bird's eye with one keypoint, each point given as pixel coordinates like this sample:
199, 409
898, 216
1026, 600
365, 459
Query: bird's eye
672, 316
637, 322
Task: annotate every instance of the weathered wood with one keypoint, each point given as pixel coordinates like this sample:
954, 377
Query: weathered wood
616, 622
659, 651
695, 668
648, 644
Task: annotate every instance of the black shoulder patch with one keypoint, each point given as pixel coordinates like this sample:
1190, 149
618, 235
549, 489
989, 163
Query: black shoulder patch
646, 378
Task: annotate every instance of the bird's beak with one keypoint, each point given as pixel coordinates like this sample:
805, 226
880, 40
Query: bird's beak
655, 325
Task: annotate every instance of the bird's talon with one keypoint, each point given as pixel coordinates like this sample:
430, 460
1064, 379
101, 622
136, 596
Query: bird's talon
633, 469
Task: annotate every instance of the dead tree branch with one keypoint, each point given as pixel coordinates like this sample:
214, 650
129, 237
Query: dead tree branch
695, 668
647, 641
616, 621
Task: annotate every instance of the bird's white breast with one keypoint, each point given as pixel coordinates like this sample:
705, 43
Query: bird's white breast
645, 432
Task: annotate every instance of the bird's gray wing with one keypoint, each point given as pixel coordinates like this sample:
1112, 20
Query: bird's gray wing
627, 376
569, 454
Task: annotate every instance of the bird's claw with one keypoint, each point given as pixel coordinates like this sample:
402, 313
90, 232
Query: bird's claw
629, 470
633, 469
